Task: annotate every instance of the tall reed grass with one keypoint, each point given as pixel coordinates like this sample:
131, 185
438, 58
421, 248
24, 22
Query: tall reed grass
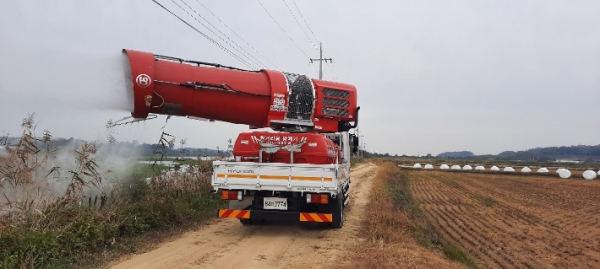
43, 228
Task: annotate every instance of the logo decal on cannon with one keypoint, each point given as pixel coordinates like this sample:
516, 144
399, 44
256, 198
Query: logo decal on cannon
143, 80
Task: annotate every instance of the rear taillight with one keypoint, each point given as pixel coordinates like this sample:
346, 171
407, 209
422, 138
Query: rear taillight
232, 195
317, 198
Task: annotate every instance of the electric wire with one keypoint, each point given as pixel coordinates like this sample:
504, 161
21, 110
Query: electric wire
283, 29
255, 50
307, 26
205, 36
252, 63
335, 77
298, 22
246, 53
333, 71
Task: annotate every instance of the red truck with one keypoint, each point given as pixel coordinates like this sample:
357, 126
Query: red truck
300, 171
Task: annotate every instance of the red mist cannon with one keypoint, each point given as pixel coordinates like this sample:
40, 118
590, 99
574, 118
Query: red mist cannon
265, 98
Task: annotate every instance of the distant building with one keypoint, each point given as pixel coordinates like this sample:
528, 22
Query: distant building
568, 161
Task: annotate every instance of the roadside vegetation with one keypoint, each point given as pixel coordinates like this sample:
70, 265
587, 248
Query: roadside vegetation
397, 232
85, 216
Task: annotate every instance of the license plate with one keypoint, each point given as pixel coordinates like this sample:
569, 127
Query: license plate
275, 203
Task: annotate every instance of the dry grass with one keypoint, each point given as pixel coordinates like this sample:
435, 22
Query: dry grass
89, 222
391, 236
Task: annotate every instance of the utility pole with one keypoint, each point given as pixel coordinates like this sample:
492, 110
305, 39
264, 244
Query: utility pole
321, 60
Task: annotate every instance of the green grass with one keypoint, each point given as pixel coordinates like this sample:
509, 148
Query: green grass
456, 254
488, 201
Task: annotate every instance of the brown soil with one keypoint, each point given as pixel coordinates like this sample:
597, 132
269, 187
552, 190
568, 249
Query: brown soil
511, 221
389, 234
226, 243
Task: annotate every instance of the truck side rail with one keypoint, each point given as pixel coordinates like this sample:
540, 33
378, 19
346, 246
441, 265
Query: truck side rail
276, 177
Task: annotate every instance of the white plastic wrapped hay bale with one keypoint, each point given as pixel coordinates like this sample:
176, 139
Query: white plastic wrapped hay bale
560, 169
564, 173
526, 170
543, 170
589, 174
444, 167
417, 165
456, 167
428, 166
509, 169
467, 167
599, 172
494, 168
480, 168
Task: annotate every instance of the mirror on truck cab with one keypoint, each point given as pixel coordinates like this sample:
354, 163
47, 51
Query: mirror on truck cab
355, 143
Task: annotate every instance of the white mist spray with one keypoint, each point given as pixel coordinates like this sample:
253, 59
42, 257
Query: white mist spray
45, 79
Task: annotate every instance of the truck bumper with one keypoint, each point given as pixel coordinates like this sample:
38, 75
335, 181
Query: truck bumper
275, 215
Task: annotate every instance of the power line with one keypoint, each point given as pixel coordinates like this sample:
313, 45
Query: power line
193, 17
247, 55
205, 36
333, 71
330, 63
309, 39
255, 50
307, 26
282, 29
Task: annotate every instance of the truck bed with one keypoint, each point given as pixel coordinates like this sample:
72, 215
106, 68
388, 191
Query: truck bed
314, 178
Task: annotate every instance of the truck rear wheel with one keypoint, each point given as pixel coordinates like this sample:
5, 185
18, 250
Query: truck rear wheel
340, 210
246, 221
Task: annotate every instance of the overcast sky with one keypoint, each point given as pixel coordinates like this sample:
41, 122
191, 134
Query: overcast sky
432, 76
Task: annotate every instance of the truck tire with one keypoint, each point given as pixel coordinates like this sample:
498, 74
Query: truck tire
336, 224
246, 221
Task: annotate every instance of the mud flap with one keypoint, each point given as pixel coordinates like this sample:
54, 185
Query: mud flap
338, 214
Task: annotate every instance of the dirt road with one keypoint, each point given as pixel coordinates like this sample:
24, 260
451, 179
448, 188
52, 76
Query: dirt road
225, 243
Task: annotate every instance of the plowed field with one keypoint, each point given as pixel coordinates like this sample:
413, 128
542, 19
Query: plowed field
511, 221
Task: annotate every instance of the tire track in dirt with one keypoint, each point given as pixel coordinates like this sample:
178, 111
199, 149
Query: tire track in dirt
513, 232
226, 243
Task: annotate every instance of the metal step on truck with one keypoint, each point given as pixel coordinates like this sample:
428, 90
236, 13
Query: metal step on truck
286, 176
